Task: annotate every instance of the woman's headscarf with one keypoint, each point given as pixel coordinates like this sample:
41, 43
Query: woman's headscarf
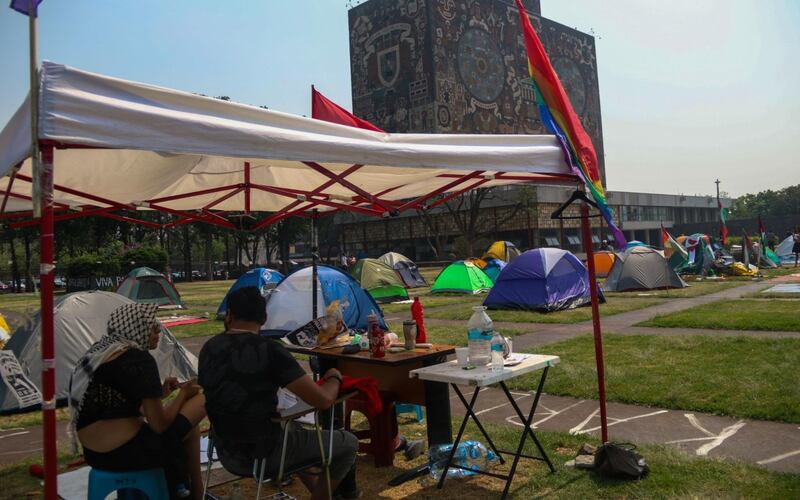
128, 327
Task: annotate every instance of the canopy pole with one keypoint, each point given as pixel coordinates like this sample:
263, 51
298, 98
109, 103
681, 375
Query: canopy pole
598, 336
314, 305
46, 268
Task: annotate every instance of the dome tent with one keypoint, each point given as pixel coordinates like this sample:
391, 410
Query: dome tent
603, 262
379, 280
642, 268
81, 319
262, 278
149, 286
503, 250
542, 279
493, 268
461, 277
289, 303
405, 267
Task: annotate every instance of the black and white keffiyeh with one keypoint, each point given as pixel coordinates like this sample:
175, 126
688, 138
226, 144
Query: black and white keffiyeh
128, 328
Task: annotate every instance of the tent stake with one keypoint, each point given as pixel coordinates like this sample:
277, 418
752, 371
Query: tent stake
598, 336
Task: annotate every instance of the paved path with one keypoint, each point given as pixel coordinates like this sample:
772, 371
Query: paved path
773, 445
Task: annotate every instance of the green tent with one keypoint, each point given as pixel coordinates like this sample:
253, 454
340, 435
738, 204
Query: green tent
149, 286
462, 277
379, 280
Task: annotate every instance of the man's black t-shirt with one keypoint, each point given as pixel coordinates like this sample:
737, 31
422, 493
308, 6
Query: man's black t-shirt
240, 375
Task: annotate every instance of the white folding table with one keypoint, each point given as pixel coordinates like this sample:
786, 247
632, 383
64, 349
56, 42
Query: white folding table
451, 373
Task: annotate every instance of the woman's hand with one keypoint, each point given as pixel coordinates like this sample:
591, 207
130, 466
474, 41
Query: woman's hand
169, 385
190, 389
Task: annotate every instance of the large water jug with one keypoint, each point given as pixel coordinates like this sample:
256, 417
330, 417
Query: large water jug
479, 336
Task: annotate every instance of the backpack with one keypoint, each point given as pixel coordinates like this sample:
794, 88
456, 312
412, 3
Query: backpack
618, 460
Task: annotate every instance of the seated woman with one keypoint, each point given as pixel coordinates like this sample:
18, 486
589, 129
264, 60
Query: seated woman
115, 397
240, 372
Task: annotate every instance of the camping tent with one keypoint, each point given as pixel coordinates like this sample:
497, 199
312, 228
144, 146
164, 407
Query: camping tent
543, 279
289, 304
405, 267
149, 286
379, 280
642, 268
784, 250
603, 261
80, 320
635, 243
461, 277
262, 278
493, 268
503, 250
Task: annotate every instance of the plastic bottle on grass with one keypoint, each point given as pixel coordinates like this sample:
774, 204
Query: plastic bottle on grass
497, 346
469, 454
479, 335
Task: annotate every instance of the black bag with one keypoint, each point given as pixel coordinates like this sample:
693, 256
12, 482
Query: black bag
618, 460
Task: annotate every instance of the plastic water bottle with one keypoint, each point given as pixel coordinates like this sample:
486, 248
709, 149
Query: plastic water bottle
469, 454
497, 352
479, 336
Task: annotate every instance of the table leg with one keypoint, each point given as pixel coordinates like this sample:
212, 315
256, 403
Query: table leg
471, 413
460, 433
437, 406
527, 431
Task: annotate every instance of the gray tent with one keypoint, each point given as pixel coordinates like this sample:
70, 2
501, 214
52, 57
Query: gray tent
405, 267
80, 320
642, 268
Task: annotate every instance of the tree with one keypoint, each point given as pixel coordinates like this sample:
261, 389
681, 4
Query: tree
766, 203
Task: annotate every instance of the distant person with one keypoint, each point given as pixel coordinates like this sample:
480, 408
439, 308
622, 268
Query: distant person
604, 246
343, 260
796, 246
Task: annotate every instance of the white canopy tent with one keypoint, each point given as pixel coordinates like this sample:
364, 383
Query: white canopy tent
111, 147
141, 146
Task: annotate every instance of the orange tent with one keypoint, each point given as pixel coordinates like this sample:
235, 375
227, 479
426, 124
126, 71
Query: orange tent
603, 261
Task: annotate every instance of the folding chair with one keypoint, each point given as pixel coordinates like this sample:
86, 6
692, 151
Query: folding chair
286, 417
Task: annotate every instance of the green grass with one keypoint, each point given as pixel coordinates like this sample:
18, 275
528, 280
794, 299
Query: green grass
695, 289
772, 295
452, 335
30, 419
614, 305
673, 474
211, 327
745, 314
741, 376
431, 301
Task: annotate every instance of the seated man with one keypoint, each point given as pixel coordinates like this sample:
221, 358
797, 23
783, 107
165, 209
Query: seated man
240, 372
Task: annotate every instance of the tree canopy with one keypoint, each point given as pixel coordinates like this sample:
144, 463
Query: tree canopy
766, 203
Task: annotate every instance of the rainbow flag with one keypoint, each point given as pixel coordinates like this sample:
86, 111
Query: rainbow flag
558, 116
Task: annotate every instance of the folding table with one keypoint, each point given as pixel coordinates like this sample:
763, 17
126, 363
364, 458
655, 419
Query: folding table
451, 373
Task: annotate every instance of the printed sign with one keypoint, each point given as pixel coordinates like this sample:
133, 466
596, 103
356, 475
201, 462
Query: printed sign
18, 384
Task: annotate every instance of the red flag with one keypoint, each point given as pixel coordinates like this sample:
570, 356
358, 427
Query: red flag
323, 108
664, 236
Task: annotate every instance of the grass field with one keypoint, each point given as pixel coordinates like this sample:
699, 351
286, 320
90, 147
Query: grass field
742, 376
673, 475
743, 314
695, 289
614, 305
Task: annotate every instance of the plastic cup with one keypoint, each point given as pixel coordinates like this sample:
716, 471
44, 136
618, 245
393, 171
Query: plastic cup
462, 356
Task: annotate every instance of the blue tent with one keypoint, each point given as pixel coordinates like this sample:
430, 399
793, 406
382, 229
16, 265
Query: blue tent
543, 279
262, 278
493, 268
635, 243
289, 304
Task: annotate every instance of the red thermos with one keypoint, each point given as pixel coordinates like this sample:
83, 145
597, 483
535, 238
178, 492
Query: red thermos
418, 314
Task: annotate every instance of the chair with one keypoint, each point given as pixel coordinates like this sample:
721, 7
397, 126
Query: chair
410, 408
288, 415
151, 482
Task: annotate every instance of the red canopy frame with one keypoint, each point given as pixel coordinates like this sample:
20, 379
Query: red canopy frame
305, 203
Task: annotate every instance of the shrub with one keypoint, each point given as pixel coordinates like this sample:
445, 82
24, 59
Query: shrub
90, 265
153, 257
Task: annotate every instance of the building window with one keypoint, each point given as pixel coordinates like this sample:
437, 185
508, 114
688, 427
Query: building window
553, 242
573, 240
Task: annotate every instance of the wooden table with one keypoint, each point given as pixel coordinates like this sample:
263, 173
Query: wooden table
392, 374
451, 373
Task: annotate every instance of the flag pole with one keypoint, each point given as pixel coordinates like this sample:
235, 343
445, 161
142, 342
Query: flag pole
34, 103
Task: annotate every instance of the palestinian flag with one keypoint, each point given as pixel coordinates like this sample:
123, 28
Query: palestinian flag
676, 255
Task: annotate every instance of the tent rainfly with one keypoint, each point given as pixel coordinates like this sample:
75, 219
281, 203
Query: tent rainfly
149, 286
104, 152
380, 280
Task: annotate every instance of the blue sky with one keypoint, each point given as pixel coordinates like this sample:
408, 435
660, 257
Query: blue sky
690, 90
